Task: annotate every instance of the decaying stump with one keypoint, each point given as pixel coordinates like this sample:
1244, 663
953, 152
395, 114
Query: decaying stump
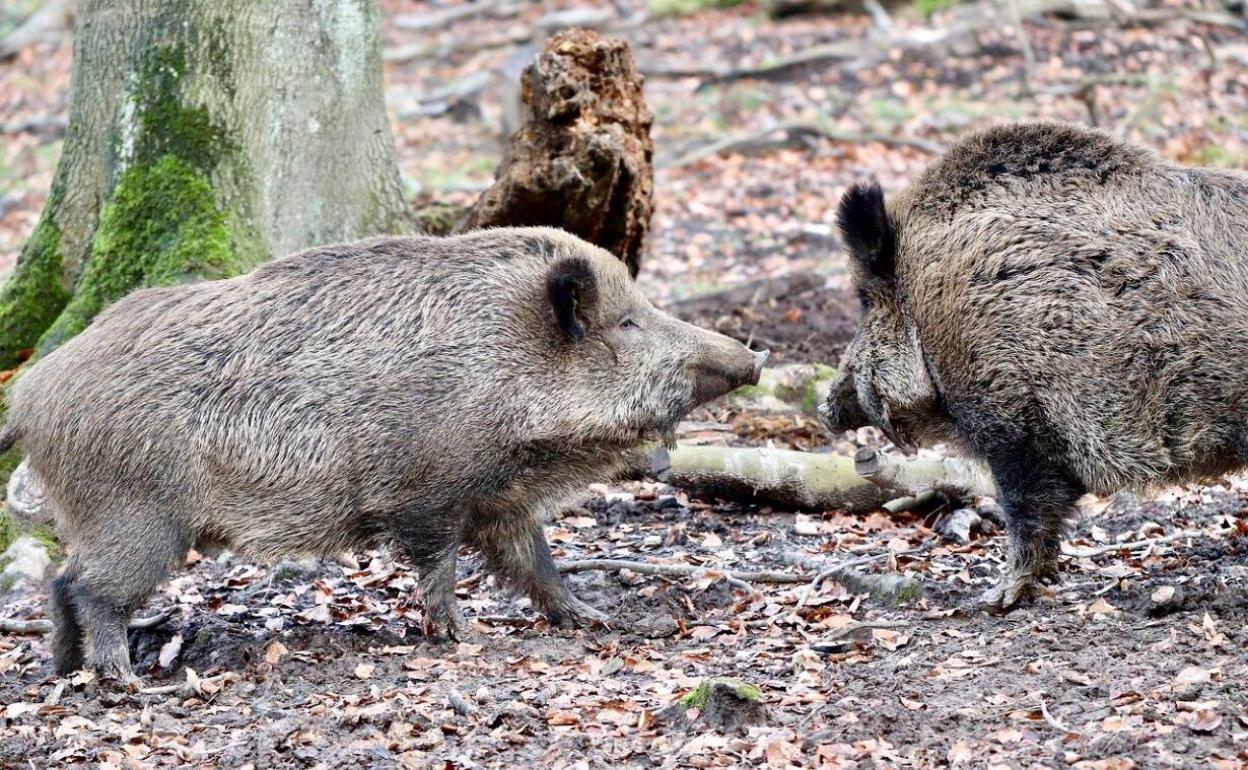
582, 160
722, 703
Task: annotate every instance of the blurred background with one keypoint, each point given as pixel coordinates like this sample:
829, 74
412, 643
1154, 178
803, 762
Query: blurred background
764, 110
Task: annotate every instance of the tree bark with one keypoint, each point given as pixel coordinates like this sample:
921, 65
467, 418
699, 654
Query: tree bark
205, 137
582, 160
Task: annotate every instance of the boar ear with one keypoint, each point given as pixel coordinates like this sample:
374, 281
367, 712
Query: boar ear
573, 292
866, 228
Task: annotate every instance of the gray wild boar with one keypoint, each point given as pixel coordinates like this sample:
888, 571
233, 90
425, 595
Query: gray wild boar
1065, 305
420, 392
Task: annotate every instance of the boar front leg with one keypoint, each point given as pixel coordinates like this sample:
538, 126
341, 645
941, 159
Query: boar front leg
1039, 496
435, 560
516, 550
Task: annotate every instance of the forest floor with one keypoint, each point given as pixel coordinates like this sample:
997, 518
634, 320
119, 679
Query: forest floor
1136, 661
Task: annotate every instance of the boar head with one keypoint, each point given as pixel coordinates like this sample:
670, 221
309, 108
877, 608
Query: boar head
883, 379
631, 371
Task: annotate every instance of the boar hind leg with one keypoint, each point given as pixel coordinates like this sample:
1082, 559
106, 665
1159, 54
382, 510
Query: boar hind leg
1039, 496
517, 552
116, 572
67, 640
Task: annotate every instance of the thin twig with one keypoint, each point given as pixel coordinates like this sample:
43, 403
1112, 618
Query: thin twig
1084, 553
800, 128
1029, 56
186, 686
1052, 721
676, 570
861, 625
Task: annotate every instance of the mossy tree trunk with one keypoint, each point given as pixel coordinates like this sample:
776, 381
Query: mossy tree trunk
205, 137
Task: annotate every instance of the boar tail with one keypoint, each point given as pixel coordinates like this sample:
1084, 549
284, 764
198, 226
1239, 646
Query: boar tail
8, 436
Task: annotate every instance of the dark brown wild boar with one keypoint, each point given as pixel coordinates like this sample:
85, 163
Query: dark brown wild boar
420, 392
1066, 305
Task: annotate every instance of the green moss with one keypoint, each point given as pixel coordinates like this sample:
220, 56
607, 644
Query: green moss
8, 530
929, 7
161, 226
35, 294
698, 698
751, 391
167, 126
815, 390
438, 218
48, 539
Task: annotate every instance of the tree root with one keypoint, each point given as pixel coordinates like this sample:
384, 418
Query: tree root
10, 626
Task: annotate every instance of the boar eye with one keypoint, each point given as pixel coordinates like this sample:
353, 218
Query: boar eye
628, 323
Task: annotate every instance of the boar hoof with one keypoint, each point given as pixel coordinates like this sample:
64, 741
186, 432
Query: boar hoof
1013, 591
449, 625
577, 614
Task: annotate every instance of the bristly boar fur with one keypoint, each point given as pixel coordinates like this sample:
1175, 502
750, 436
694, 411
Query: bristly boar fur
421, 392
1065, 304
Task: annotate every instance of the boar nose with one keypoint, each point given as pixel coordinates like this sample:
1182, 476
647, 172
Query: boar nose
724, 367
842, 411
760, 360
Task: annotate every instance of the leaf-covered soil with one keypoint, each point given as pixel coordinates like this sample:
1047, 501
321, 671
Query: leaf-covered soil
1137, 661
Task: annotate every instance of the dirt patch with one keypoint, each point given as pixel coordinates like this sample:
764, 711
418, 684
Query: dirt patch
363, 687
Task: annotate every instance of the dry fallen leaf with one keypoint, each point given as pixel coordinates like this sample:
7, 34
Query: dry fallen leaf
1102, 607
1204, 721
274, 652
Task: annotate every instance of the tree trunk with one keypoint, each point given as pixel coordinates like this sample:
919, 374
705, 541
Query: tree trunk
205, 137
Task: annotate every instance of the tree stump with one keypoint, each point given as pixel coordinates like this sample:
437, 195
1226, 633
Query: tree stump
723, 703
582, 160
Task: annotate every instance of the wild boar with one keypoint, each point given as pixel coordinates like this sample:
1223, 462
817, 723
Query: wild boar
420, 392
1064, 304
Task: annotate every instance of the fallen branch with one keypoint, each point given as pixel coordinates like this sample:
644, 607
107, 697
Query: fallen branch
676, 570
427, 22
886, 587
53, 21
1084, 553
192, 685
849, 629
795, 129
949, 476
53, 126
840, 640
471, 44
821, 482
10, 626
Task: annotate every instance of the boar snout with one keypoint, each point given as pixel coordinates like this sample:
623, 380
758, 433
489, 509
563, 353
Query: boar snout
726, 368
842, 411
